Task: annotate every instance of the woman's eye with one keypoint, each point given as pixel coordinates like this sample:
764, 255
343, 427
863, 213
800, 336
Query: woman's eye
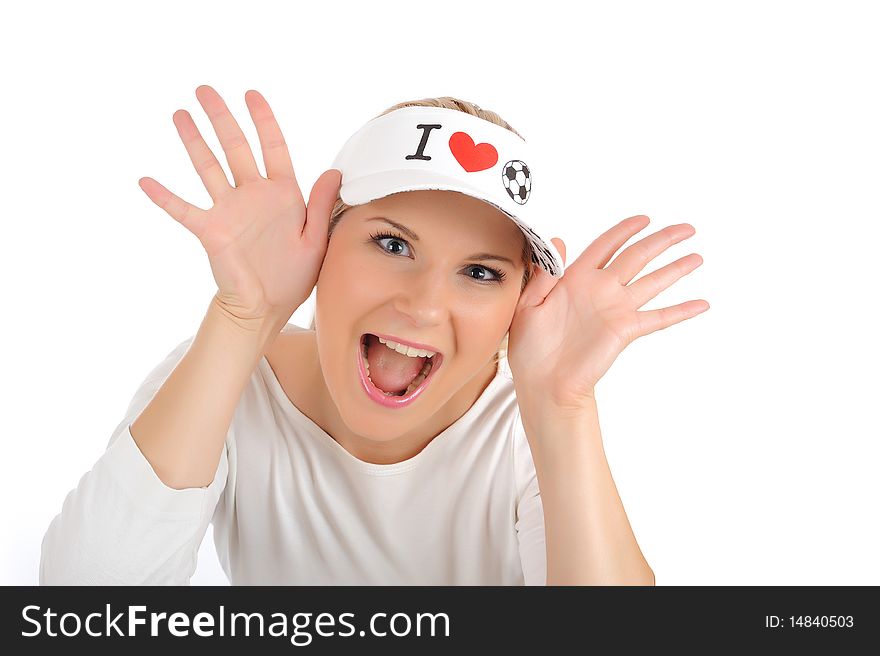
498, 275
391, 239
486, 271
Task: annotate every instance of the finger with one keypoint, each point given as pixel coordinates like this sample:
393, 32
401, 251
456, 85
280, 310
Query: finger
322, 198
653, 320
541, 283
191, 217
275, 154
212, 174
597, 254
634, 258
647, 287
232, 139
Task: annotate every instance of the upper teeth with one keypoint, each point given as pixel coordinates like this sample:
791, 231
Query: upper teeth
407, 350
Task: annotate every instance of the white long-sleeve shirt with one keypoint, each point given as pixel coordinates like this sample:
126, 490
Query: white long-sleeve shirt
291, 506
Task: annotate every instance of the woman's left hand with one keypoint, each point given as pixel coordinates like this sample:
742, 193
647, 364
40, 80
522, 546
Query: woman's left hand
567, 331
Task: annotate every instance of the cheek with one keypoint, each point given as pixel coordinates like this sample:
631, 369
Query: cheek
350, 286
485, 324
341, 270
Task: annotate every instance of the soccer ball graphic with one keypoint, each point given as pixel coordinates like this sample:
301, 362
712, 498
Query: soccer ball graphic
517, 180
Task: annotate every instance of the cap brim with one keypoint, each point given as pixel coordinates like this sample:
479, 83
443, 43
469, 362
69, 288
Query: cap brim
377, 185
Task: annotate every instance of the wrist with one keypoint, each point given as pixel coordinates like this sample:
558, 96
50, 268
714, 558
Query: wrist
541, 403
259, 330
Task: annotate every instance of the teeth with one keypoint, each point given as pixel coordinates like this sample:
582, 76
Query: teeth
418, 380
407, 350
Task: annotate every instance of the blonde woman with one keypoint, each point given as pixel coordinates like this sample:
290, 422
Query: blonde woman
386, 444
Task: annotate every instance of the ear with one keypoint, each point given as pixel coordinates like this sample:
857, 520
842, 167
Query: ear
542, 282
560, 246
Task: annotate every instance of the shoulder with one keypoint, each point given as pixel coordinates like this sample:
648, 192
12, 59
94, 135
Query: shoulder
290, 340
293, 329
287, 356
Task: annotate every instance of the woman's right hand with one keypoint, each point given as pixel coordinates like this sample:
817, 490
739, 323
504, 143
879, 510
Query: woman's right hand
264, 245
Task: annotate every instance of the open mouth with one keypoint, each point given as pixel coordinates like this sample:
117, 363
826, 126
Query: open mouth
401, 397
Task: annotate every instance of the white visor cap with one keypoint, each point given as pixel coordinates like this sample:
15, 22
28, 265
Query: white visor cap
416, 148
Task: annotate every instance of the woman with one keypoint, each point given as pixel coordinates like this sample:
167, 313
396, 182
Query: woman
385, 445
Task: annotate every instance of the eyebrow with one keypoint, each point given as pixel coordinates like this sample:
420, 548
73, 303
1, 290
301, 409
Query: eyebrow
409, 233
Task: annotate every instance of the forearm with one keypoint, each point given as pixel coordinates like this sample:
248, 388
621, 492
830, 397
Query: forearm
588, 537
181, 432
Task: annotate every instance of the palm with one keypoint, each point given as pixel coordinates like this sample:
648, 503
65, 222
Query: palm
249, 237
593, 316
566, 332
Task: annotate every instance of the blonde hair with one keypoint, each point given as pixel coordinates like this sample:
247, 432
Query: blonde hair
449, 102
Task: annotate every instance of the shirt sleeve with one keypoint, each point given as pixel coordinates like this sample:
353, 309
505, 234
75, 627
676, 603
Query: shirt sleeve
529, 510
122, 525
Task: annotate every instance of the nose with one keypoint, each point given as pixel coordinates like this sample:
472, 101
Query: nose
424, 298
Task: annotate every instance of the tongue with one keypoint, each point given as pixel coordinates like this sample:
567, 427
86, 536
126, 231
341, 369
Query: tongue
391, 371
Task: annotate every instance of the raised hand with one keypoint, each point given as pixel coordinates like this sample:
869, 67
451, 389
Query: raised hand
566, 332
265, 247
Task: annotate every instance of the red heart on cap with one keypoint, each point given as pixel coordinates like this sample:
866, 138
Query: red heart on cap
472, 157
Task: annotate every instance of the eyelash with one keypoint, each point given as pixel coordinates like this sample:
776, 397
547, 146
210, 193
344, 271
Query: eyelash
499, 275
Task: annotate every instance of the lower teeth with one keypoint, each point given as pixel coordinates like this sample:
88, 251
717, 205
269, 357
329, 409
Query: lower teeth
418, 380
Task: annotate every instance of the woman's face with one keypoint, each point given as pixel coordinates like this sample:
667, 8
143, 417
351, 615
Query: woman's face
426, 287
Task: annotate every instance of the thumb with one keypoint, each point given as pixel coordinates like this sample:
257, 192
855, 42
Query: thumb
322, 198
542, 282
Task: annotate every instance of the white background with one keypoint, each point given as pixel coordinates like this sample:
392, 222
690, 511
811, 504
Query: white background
743, 442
